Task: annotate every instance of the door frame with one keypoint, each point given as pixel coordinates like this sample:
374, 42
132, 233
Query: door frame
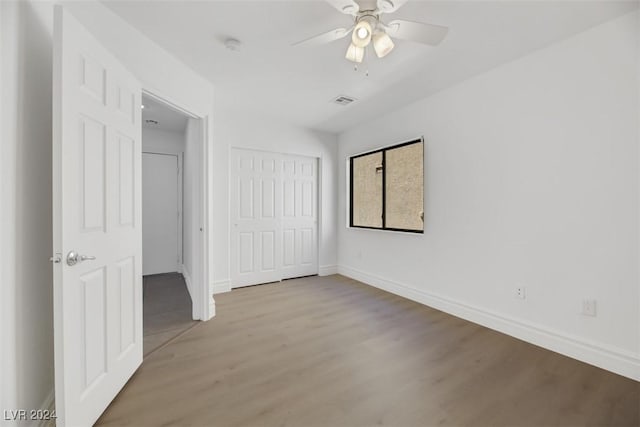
319, 212
202, 298
179, 159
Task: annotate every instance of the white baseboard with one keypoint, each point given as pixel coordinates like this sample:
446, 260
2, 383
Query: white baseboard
616, 360
196, 313
212, 308
48, 405
327, 270
187, 280
220, 287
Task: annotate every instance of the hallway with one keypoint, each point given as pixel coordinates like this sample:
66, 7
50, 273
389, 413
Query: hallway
167, 309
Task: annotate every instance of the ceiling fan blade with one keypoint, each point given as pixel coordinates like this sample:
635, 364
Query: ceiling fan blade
417, 31
349, 7
324, 38
390, 6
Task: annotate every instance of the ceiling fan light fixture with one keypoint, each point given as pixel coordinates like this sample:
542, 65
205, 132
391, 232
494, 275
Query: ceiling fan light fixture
361, 35
382, 44
355, 53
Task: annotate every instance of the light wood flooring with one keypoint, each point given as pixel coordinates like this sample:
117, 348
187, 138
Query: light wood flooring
167, 309
330, 351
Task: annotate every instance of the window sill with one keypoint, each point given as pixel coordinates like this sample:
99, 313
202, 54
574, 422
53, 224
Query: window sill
387, 230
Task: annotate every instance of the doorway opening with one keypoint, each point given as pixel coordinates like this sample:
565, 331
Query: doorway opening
170, 217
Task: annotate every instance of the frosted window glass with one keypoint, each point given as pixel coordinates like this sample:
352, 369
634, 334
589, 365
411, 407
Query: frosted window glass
367, 190
404, 184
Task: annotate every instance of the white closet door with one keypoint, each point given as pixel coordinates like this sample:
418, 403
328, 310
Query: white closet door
255, 212
299, 216
160, 213
274, 213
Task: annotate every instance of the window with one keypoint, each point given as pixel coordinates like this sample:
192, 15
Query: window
387, 188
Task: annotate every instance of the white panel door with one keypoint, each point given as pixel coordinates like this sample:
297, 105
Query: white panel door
160, 213
255, 218
273, 217
97, 217
299, 216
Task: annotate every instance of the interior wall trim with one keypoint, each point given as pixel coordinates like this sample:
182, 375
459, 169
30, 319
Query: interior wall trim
220, 287
48, 406
212, 306
613, 359
187, 279
327, 270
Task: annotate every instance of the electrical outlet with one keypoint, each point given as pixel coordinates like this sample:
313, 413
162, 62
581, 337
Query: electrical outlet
521, 292
589, 307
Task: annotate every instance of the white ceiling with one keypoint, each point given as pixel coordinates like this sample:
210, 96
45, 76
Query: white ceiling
168, 119
270, 77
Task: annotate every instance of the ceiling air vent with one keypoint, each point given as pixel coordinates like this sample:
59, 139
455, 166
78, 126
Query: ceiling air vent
343, 100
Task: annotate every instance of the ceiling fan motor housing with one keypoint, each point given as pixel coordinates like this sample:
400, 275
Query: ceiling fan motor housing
367, 5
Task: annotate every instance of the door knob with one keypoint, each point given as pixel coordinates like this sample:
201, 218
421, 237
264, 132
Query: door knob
73, 258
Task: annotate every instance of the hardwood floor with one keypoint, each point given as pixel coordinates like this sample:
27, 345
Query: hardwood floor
330, 351
167, 309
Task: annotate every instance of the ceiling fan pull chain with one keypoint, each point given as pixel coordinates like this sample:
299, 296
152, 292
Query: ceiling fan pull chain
366, 63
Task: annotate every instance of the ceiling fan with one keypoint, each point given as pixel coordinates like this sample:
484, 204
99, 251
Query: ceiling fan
369, 28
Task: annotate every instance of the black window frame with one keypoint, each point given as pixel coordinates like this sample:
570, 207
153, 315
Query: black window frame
384, 150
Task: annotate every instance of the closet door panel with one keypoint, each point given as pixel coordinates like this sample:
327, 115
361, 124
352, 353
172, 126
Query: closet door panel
256, 237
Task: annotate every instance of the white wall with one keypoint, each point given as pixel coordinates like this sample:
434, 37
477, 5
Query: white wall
235, 129
26, 238
26, 233
162, 141
531, 178
8, 97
